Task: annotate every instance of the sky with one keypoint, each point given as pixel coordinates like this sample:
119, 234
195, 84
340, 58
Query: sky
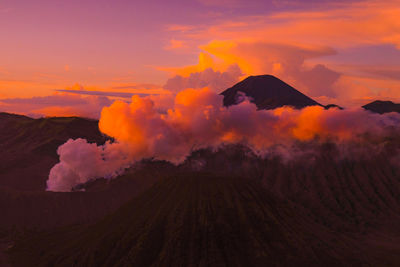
62, 58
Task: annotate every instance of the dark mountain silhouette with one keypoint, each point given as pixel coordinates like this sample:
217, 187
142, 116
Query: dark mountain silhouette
382, 107
267, 92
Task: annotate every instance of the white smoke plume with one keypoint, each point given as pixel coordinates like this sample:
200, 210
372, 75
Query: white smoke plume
81, 162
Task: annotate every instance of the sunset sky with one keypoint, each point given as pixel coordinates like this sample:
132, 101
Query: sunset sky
74, 57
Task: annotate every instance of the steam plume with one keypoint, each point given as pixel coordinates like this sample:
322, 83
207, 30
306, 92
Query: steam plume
198, 120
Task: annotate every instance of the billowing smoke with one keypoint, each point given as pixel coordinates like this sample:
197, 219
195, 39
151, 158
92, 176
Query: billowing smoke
81, 162
199, 120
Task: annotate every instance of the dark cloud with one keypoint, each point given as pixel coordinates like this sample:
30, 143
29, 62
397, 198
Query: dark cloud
319, 80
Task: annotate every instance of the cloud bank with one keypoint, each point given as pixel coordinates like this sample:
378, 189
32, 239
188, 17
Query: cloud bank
198, 120
320, 51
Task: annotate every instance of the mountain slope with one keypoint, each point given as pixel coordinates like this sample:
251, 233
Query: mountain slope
344, 194
46, 210
382, 107
244, 211
267, 92
193, 219
29, 147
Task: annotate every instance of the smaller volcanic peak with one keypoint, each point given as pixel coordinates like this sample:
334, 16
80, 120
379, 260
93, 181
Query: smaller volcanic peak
267, 92
382, 107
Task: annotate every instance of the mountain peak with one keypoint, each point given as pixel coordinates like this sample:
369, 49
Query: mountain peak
267, 92
381, 107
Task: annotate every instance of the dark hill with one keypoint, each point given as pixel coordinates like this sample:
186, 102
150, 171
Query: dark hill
46, 210
193, 219
244, 211
267, 92
382, 107
29, 147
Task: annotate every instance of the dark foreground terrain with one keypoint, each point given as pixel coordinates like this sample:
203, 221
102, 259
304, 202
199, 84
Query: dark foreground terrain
219, 208
28, 152
242, 211
28, 147
192, 219
202, 219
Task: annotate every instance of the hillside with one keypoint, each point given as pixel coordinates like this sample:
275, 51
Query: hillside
29, 147
44, 210
239, 209
189, 220
203, 219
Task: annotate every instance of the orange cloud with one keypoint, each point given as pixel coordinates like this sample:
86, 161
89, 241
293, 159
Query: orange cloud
205, 61
175, 44
285, 44
288, 62
198, 119
256, 58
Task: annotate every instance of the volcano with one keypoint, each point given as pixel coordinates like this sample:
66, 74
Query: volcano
267, 92
382, 107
